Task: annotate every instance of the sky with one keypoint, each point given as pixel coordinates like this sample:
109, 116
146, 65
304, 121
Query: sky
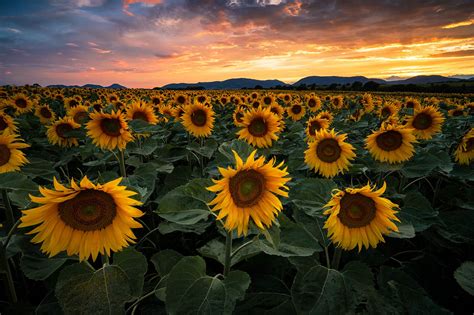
149, 43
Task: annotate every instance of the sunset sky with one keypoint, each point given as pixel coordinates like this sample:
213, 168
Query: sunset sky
151, 43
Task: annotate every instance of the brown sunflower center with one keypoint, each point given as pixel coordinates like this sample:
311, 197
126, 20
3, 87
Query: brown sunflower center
21, 102
239, 117
224, 100
247, 188
73, 103
357, 210
62, 130
328, 150
111, 126
97, 107
311, 103
275, 110
3, 124
422, 121
258, 127
181, 99
296, 109
4, 154
286, 98
199, 117
201, 99
256, 104
156, 101
469, 145
112, 99
140, 115
457, 112
313, 127
45, 112
267, 100
90, 210
386, 112
389, 140
410, 104
80, 117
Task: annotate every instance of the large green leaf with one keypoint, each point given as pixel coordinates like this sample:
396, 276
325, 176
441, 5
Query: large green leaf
17, 181
311, 194
215, 249
314, 225
135, 265
417, 210
207, 149
165, 260
186, 204
190, 291
464, 275
40, 267
291, 240
81, 290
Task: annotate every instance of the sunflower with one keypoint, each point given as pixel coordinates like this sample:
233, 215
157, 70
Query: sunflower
224, 100
202, 99
143, 112
337, 102
313, 103
315, 124
277, 109
260, 127
296, 111
11, 157
57, 132
458, 111
7, 124
412, 103
387, 110
238, 117
464, 153
198, 119
254, 95
391, 143
21, 103
268, 99
85, 219
178, 112
368, 103
80, 114
112, 98
326, 115
285, 97
166, 111
45, 114
329, 154
71, 102
360, 217
249, 192
109, 131
181, 99
156, 100
255, 104
425, 122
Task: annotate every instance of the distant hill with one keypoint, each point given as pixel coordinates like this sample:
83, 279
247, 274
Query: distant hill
424, 79
238, 83
91, 86
328, 80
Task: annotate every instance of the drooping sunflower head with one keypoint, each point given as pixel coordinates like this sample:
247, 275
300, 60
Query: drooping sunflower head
80, 114
296, 111
277, 109
391, 143
142, 111
85, 219
166, 111
58, 132
326, 115
464, 153
198, 119
313, 103
360, 217
238, 117
314, 125
249, 192
178, 112
21, 103
45, 114
260, 127
7, 124
329, 154
367, 103
426, 122
11, 156
109, 130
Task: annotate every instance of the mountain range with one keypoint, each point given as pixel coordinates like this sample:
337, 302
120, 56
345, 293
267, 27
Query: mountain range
91, 86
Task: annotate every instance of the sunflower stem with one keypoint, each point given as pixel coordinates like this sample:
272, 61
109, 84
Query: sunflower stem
336, 258
10, 233
228, 252
123, 171
8, 274
326, 253
10, 219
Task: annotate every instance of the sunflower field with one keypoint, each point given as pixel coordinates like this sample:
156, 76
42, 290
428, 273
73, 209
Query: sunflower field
235, 202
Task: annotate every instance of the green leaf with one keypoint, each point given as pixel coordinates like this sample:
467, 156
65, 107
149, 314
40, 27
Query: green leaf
190, 291
165, 260
38, 266
314, 225
187, 204
311, 194
135, 265
199, 228
17, 182
81, 290
464, 275
39, 168
458, 225
293, 241
207, 149
417, 210
242, 148
215, 249
404, 231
